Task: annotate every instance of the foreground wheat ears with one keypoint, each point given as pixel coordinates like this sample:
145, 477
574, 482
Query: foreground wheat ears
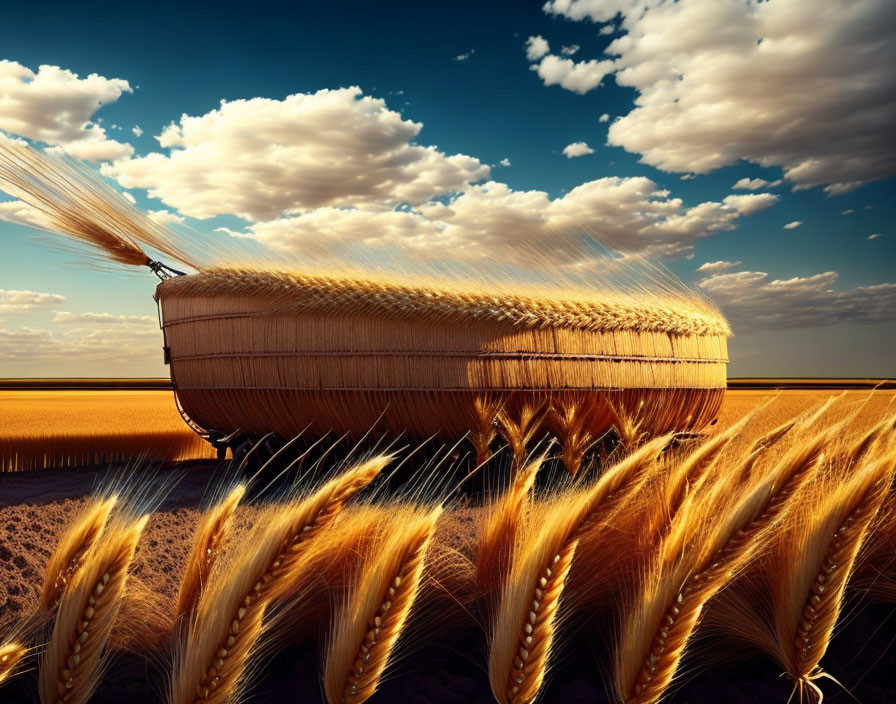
759, 537
72, 663
369, 625
713, 537
228, 621
210, 536
69, 553
524, 627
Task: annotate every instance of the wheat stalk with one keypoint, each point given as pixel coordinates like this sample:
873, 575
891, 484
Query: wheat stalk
11, 654
495, 546
69, 552
372, 621
71, 665
210, 535
227, 623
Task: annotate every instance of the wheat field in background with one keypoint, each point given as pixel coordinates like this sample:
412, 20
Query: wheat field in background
44, 429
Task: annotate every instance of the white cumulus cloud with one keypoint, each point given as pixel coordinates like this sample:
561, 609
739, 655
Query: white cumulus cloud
57, 107
577, 76
874, 236
604, 118
259, 158
536, 47
754, 184
575, 149
797, 84
793, 225
754, 301
492, 220
717, 266
570, 49
15, 301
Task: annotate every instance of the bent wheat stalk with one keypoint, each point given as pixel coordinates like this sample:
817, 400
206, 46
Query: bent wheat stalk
370, 624
210, 535
11, 654
72, 663
227, 623
74, 544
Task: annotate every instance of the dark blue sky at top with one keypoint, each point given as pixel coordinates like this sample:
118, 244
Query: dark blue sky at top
186, 58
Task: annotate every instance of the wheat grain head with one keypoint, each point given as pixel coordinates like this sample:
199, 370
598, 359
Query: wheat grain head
71, 548
369, 625
72, 663
207, 541
214, 652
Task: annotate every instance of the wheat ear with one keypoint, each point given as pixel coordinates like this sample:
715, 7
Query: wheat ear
210, 535
547, 557
71, 665
524, 675
666, 625
69, 552
11, 654
519, 432
570, 417
822, 606
372, 621
495, 546
485, 414
228, 620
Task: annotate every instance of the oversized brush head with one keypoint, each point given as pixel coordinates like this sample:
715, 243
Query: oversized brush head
278, 350
67, 198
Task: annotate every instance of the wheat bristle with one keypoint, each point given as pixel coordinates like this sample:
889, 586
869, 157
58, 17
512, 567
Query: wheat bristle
373, 619
11, 654
69, 552
72, 663
228, 620
207, 542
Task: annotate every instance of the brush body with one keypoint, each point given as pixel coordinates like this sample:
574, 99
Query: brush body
263, 351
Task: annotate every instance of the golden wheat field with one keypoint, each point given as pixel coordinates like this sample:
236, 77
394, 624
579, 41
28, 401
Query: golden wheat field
58, 428
750, 564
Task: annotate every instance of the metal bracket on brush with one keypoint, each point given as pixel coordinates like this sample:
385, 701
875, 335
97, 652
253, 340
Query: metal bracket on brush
163, 271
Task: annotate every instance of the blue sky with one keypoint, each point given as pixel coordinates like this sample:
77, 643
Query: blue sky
812, 109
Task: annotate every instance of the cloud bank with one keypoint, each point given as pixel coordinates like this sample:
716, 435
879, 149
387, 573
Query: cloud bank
57, 107
796, 84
